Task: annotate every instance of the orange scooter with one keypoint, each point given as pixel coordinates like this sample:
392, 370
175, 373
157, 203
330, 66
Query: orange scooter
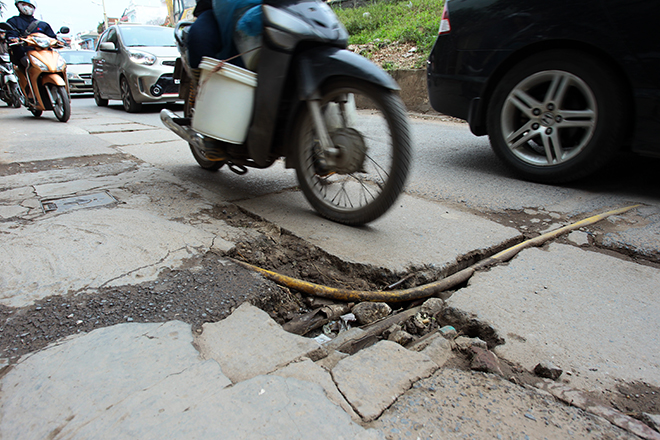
43, 82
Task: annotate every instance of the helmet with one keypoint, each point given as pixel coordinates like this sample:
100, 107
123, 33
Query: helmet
26, 7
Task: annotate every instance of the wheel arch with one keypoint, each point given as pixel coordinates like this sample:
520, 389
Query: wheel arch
479, 108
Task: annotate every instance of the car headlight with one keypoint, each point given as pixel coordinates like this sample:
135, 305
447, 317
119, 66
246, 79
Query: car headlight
40, 65
71, 75
142, 57
61, 64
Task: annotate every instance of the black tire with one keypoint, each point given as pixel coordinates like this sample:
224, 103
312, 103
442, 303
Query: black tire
100, 101
127, 98
374, 153
15, 95
558, 116
62, 104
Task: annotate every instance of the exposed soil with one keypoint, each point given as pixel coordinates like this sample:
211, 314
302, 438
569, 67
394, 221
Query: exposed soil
209, 288
391, 55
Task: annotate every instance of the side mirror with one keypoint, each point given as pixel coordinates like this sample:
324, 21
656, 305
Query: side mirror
6, 26
107, 46
64, 30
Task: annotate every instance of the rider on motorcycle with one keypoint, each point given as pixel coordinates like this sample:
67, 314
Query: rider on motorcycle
25, 24
3, 42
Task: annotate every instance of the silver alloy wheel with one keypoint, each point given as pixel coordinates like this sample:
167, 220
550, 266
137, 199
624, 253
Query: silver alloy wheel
549, 118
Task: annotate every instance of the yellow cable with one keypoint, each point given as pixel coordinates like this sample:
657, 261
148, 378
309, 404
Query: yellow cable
426, 290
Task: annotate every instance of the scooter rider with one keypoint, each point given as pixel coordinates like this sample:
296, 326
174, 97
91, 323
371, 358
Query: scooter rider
3, 42
25, 24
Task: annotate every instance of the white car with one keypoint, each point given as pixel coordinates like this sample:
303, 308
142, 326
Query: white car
79, 70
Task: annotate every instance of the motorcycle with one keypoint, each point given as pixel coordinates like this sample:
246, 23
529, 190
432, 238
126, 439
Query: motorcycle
331, 114
9, 91
43, 82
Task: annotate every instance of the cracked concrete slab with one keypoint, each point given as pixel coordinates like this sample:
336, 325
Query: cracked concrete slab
147, 381
158, 222
138, 137
75, 381
309, 371
454, 405
415, 232
572, 307
270, 346
375, 377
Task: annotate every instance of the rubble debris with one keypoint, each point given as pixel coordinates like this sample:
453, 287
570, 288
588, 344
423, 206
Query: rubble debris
484, 360
548, 370
464, 343
432, 307
401, 337
370, 312
448, 332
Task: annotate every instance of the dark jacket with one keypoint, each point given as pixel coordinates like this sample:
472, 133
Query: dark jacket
202, 5
21, 23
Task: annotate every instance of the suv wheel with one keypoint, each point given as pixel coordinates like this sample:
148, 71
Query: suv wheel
557, 116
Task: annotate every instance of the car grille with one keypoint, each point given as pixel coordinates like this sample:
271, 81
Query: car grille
168, 63
164, 85
85, 75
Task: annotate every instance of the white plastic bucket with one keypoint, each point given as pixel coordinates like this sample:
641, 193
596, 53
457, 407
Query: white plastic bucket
223, 108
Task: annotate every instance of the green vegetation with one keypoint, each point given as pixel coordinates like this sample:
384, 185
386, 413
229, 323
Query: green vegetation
406, 21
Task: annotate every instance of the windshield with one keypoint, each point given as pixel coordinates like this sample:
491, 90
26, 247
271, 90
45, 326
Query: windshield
77, 57
137, 36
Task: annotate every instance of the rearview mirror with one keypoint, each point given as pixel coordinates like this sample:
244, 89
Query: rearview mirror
6, 26
64, 30
107, 46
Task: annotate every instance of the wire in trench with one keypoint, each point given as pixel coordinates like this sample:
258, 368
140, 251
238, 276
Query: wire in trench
427, 290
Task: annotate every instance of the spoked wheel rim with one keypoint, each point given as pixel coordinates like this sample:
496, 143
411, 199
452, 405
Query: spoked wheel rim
549, 118
366, 172
127, 97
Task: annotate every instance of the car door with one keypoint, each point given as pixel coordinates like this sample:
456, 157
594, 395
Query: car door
636, 23
106, 64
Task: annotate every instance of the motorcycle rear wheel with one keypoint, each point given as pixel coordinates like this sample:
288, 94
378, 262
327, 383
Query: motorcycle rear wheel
374, 153
199, 155
62, 105
15, 95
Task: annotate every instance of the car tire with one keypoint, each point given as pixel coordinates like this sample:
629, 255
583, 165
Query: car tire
127, 98
100, 101
557, 116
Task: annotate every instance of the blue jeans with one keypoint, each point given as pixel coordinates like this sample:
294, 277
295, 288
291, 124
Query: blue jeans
204, 38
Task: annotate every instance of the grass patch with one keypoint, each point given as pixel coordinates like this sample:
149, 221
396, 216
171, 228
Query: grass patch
406, 21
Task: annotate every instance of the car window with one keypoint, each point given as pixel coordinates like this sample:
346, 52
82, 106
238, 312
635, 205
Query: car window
112, 36
77, 57
134, 36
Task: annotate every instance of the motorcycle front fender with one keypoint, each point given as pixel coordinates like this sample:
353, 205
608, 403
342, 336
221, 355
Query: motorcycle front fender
319, 64
53, 78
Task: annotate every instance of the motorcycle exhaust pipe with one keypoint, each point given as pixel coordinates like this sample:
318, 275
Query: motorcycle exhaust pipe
185, 132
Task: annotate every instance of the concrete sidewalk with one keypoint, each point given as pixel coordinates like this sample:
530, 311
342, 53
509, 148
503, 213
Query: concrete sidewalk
244, 377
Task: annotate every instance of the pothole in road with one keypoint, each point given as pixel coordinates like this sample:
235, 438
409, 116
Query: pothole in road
210, 287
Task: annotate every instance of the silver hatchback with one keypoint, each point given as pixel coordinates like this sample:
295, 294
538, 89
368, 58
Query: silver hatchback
135, 63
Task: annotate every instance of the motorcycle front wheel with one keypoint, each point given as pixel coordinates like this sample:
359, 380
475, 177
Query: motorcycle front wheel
60, 101
361, 178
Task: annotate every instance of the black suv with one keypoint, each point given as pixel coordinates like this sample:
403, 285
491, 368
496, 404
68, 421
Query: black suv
559, 87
